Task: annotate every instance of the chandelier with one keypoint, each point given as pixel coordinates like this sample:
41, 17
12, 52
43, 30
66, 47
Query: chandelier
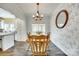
37, 16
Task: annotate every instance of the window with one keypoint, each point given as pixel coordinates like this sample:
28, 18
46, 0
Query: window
38, 28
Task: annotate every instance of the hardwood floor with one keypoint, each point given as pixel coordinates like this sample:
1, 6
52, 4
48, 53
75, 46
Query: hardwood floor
20, 49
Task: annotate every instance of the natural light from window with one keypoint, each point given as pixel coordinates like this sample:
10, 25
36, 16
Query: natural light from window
38, 28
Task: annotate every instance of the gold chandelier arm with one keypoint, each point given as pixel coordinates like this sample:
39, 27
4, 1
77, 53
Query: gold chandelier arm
37, 16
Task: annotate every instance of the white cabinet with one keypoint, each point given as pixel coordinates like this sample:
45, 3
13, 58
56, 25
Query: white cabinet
7, 40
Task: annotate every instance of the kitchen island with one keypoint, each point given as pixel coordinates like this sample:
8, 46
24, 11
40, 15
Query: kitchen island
7, 40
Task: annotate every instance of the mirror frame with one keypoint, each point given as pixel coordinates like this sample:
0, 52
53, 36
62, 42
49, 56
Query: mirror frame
66, 20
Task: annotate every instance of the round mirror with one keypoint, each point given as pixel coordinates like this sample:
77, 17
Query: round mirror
61, 19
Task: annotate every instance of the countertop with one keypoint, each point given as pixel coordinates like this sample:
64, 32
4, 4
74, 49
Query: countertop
7, 33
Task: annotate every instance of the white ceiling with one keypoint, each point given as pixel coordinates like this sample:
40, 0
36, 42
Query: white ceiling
23, 9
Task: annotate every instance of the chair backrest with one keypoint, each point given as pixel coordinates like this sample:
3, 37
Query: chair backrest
39, 43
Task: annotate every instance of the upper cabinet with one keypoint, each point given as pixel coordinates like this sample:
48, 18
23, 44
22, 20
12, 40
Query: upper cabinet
7, 21
7, 24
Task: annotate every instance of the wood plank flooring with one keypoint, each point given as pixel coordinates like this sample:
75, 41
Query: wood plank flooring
20, 49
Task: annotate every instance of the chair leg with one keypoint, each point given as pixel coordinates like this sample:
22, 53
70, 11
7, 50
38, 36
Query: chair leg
28, 48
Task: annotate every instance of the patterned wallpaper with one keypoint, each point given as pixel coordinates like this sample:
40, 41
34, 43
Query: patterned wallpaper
67, 39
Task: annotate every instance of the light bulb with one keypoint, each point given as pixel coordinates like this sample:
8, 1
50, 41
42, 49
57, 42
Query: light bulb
42, 15
33, 16
37, 14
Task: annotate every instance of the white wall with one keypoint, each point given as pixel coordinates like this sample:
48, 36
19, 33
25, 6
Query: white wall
67, 39
21, 34
29, 21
